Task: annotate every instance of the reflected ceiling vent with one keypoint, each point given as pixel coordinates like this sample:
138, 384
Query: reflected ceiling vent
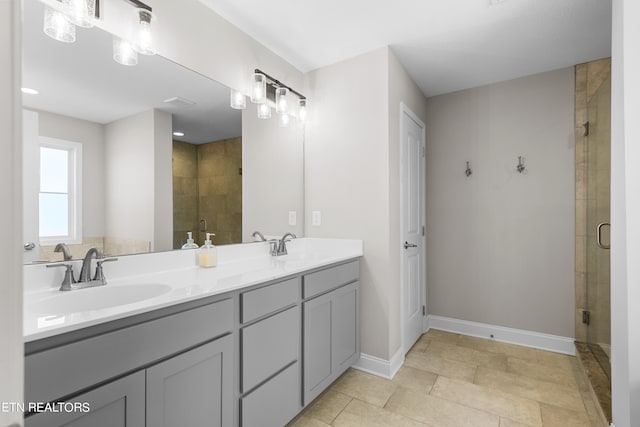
178, 102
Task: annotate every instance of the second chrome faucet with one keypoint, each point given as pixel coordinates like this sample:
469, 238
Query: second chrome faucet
84, 280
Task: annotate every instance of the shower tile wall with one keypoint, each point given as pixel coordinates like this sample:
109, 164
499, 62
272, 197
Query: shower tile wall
185, 192
220, 189
207, 184
589, 78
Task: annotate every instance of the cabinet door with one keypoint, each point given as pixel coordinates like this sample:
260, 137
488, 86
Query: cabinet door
345, 347
119, 403
194, 388
317, 346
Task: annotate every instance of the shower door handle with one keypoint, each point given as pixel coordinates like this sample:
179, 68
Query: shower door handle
599, 235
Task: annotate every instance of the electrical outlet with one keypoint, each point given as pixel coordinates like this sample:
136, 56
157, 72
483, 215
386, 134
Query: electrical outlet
292, 218
316, 218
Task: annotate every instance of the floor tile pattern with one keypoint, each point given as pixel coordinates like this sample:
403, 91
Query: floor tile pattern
451, 380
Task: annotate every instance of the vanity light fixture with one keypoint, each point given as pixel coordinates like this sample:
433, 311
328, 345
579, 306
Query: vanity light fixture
144, 44
259, 88
302, 110
264, 111
124, 52
270, 92
58, 26
82, 12
237, 100
281, 100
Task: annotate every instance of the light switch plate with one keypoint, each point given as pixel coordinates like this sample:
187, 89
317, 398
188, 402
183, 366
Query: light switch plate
316, 218
292, 218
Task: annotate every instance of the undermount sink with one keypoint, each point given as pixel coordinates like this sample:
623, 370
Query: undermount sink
97, 298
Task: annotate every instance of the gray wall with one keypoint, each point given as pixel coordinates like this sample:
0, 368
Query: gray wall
352, 177
501, 243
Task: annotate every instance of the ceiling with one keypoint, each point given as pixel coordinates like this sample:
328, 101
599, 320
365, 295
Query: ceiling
445, 45
82, 80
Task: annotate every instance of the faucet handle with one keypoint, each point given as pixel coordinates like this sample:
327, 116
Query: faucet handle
99, 275
273, 244
68, 276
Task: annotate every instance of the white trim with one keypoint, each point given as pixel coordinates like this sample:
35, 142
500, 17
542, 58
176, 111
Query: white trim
380, 367
522, 337
404, 109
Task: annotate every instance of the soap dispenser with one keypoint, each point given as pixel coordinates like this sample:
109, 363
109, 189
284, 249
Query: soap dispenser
190, 243
208, 254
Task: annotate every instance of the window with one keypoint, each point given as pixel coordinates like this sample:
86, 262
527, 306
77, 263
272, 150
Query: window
60, 204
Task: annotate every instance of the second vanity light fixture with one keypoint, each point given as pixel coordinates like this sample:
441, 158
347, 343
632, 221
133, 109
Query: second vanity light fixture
60, 24
268, 93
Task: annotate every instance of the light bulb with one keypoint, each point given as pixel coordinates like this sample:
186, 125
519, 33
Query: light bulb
284, 120
123, 52
259, 89
264, 111
281, 100
302, 110
58, 26
82, 12
144, 42
237, 100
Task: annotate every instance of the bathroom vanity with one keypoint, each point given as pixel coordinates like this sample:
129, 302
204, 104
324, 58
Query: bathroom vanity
249, 343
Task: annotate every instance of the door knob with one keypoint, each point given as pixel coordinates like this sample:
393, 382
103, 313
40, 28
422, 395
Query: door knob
408, 245
29, 246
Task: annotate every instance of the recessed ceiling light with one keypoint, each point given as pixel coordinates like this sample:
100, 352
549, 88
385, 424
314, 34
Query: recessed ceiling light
178, 134
29, 91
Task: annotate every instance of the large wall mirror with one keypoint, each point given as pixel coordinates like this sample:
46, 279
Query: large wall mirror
129, 159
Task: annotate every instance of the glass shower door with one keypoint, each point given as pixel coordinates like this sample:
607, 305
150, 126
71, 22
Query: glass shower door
598, 227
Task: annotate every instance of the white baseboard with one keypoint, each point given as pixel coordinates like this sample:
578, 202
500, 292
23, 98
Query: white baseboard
380, 367
522, 337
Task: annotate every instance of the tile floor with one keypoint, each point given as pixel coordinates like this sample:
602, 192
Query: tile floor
451, 380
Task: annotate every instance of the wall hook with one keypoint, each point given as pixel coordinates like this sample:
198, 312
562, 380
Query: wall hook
520, 168
468, 170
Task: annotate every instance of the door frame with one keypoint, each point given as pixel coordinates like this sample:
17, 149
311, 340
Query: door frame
404, 109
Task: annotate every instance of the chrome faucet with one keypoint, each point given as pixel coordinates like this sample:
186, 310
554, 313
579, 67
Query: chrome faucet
66, 253
85, 271
84, 281
282, 245
260, 236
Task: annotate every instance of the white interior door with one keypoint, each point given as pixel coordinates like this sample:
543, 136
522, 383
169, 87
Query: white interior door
412, 221
30, 185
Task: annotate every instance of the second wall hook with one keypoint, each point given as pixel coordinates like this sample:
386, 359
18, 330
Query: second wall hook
468, 170
520, 168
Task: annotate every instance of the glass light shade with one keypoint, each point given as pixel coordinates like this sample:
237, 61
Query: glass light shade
281, 99
264, 111
283, 120
259, 89
81, 12
123, 52
144, 42
58, 26
302, 110
237, 100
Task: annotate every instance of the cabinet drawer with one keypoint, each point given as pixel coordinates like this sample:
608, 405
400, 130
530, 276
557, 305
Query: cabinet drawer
325, 280
62, 371
268, 346
259, 302
275, 403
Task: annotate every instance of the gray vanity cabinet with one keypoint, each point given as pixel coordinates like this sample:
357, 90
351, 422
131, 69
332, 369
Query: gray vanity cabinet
117, 404
192, 389
331, 326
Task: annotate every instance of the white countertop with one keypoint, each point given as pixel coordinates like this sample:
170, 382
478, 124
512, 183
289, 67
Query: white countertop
174, 278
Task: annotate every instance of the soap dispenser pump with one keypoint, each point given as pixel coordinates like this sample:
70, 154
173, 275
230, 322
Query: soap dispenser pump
190, 243
208, 254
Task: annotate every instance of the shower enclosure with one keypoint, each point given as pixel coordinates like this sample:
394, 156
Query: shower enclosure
598, 196
593, 195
